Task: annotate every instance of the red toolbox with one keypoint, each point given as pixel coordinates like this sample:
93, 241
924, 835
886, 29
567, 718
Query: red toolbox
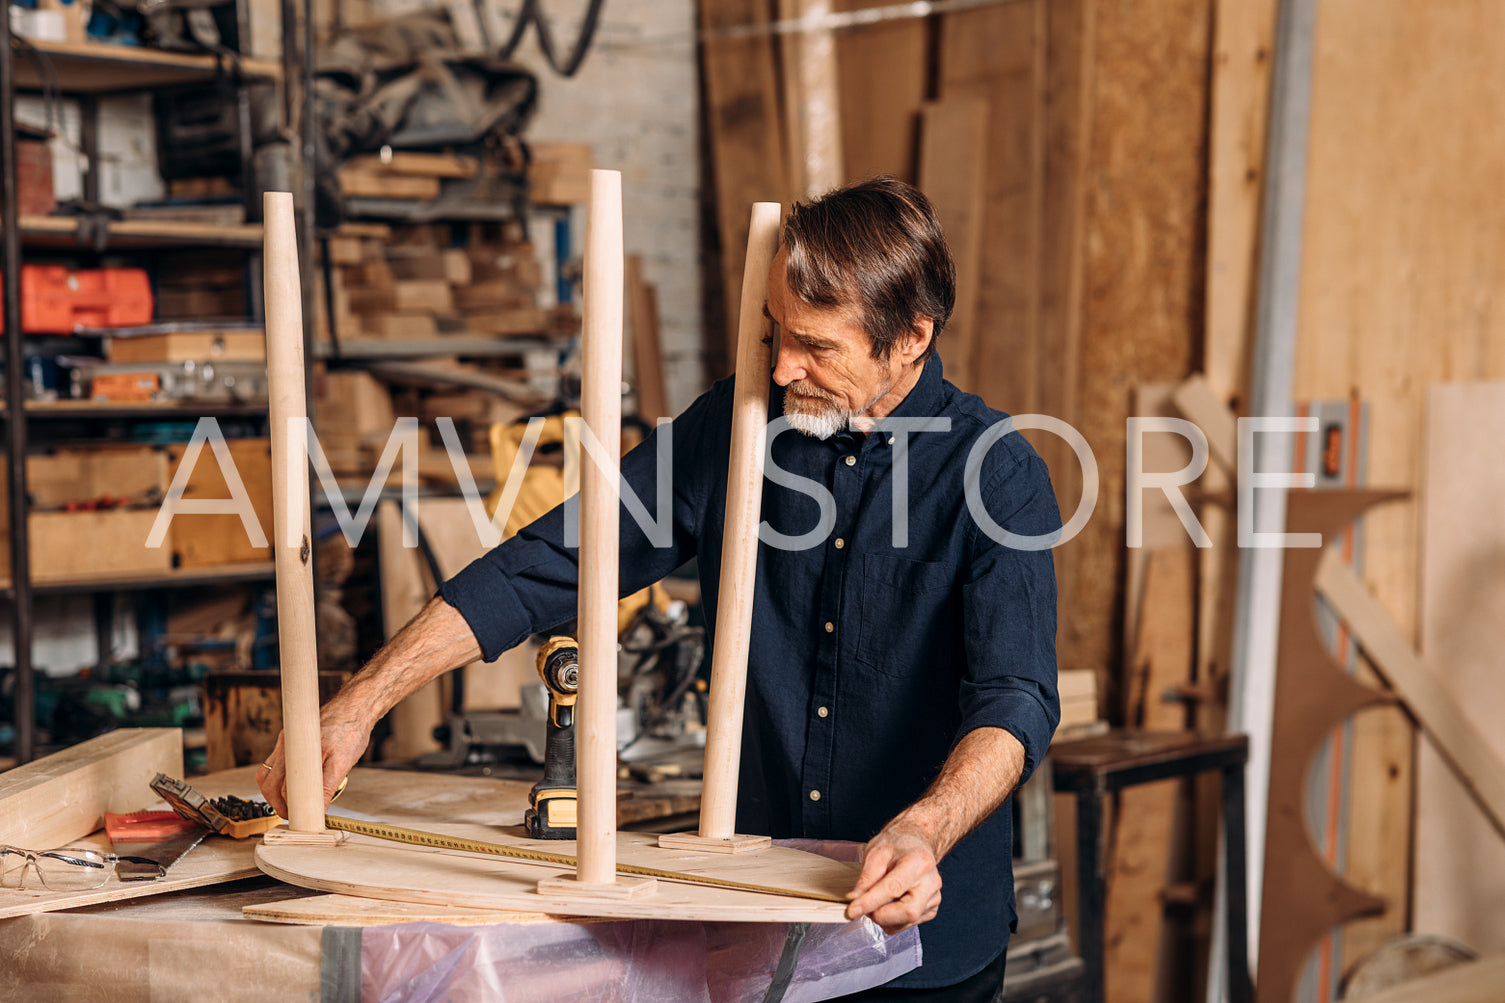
59, 300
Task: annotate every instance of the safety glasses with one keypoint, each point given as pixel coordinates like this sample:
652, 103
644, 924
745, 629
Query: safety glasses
68, 868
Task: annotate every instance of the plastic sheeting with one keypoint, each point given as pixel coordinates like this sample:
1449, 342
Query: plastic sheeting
643, 961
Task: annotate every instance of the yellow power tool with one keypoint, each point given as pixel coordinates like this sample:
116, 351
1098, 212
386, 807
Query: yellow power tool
553, 799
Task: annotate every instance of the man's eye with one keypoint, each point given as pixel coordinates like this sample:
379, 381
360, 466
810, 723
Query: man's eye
768, 339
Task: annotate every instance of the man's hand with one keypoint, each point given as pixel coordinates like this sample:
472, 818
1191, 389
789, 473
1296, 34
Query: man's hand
342, 741
434, 641
900, 885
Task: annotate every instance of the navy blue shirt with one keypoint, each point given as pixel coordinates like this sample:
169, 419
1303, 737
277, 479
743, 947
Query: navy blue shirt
872, 654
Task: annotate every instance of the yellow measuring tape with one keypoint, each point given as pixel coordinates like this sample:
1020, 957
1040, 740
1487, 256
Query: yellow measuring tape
418, 837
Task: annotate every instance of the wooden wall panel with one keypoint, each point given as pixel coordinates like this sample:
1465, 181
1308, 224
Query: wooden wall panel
953, 168
996, 54
1141, 269
882, 70
746, 138
1400, 288
812, 101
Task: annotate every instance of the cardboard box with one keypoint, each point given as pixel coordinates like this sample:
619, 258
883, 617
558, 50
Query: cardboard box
83, 546
35, 196
199, 540
72, 476
190, 346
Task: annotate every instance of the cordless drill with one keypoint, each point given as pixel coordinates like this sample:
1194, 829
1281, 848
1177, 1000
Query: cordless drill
553, 799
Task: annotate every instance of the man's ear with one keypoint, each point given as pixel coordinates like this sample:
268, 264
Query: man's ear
912, 343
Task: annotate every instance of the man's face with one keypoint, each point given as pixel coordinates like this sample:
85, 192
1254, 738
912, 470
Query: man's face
824, 362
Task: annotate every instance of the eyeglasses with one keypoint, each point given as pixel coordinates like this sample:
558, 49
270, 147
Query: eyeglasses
68, 868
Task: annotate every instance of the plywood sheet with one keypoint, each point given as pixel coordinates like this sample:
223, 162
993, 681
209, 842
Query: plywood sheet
1399, 289
375, 868
216, 860
156, 957
882, 69
60, 797
1460, 859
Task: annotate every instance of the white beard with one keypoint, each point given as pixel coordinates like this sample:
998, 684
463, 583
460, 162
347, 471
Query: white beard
814, 415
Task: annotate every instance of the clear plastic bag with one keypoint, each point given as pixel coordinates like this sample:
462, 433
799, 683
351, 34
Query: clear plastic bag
633, 961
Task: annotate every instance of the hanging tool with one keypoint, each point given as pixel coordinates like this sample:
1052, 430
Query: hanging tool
552, 800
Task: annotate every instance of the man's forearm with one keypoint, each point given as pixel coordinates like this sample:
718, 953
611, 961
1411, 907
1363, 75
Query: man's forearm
977, 777
900, 883
433, 642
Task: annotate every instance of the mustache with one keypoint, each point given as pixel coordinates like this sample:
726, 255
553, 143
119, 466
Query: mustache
803, 388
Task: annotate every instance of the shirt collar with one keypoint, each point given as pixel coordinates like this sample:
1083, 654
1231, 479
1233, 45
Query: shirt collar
924, 400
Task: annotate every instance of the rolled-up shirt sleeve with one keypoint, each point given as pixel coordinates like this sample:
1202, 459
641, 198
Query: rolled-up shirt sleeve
1009, 613
530, 582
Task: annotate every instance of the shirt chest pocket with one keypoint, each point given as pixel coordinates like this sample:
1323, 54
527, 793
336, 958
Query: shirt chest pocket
903, 616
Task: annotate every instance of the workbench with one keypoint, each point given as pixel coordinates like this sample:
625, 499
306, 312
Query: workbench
331, 947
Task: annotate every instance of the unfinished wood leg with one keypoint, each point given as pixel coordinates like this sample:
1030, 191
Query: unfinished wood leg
601, 409
739, 552
293, 545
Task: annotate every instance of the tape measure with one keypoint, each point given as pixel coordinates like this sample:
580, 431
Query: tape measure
417, 837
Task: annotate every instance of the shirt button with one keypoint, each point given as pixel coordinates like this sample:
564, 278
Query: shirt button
830, 626
840, 543
851, 461
821, 712
890, 440
815, 795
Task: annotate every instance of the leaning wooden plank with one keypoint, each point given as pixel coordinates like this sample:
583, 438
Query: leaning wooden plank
812, 106
1195, 399
953, 162
64, 796
1435, 708
996, 54
648, 365
1243, 33
404, 590
1459, 879
882, 70
1145, 825
747, 145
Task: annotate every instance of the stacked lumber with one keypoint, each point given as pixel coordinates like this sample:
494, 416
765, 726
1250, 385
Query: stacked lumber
559, 173
410, 284
201, 284
403, 175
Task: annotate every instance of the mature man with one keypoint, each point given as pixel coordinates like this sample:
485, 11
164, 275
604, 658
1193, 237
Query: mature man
902, 676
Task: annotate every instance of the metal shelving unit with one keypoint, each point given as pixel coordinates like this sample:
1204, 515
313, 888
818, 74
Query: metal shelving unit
86, 71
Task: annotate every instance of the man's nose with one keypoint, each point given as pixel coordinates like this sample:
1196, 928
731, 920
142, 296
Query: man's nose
787, 367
